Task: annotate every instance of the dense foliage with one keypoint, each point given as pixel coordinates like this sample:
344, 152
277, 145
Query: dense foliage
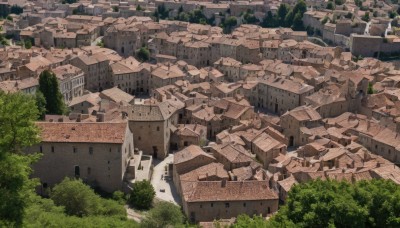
80, 200
143, 54
287, 17
69, 1
49, 87
374, 203
164, 214
17, 130
142, 195
15, 9
19, 204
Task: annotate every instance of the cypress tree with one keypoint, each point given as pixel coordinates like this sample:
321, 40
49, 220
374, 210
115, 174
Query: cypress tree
48, 86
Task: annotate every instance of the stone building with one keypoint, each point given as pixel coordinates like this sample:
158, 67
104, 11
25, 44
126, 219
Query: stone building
131, 76
210, 200
163, 75
96, 71
122, 38
188, 159
71, 80
189, 134
279, 95
154, 122
98, 153
294, 120
267, 148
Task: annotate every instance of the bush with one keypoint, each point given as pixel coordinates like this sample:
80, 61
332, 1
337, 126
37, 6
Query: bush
119, 197
142, 195
143, 54
164, 214
80, 200
319, 203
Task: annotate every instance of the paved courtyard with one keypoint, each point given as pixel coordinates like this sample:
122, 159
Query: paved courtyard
159, 183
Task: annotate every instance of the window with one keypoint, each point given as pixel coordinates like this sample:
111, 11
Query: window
244, 204
90, 150
89, 170
77, 171
75, 149
139, 138
227, 205
212, 204
44, 185
52, 149
41, 149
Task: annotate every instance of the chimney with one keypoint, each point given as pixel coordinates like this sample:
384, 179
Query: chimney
397, 121
223, 183
100, 117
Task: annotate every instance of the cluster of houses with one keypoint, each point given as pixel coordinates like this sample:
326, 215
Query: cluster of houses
246, 115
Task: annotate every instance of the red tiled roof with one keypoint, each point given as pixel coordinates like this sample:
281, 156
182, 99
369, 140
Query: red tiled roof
83, 132
232, 191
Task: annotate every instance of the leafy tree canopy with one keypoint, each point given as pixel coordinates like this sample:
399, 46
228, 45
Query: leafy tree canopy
142, 195
80, 200
49, 87
164, 214
320, 203
143, 54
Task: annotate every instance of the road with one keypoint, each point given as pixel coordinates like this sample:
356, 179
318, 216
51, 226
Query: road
158, 183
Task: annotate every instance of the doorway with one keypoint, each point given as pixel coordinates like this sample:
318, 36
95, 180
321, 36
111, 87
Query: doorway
77, 172
155, 151
291, 141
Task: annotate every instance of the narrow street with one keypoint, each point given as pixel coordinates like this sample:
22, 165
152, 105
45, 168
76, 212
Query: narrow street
165, 189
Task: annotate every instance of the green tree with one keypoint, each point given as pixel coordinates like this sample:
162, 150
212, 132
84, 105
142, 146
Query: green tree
77, 198
392, 14
28, 44
115, 9
249, 18
40, 104
320, 203
229, 23
298, 22
48, 85
300, 7
370, 88
80, 200
44, 213
330, 6
142, 195
143, 54
18, 131
289, 18
365, 17
282, 11
119, 197
270, 21
15, 9
180, 10
339, 2
161, 12
164, 214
